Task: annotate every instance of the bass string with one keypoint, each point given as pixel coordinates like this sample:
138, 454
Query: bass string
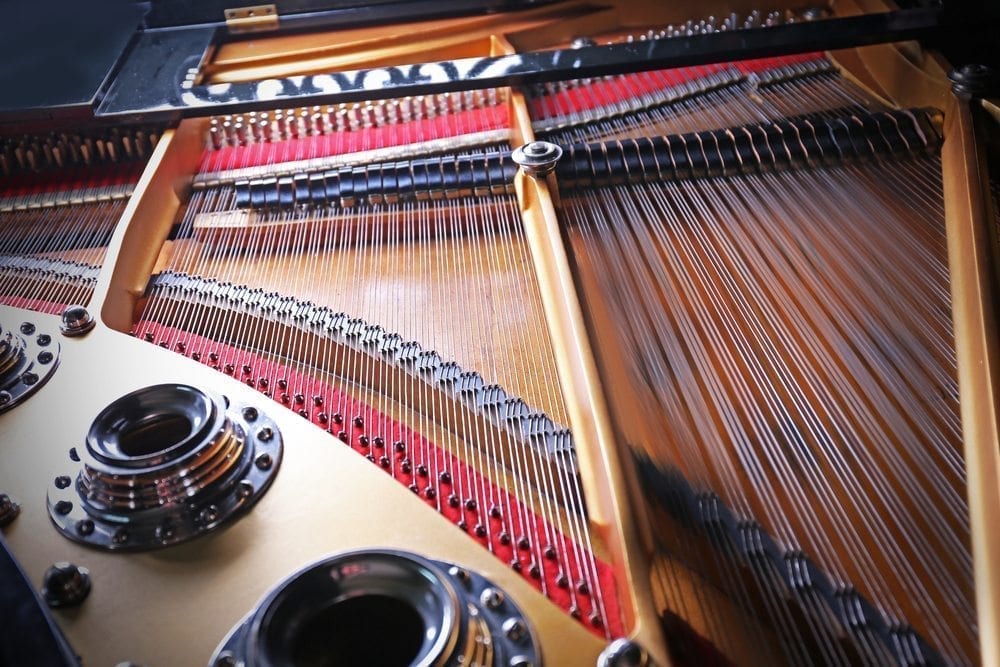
753, 194
78, 233
607, 244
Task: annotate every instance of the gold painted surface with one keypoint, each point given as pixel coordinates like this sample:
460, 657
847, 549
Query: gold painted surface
976, 345
173, 607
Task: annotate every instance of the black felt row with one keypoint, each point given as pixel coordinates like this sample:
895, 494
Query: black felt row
444, 177
791, 143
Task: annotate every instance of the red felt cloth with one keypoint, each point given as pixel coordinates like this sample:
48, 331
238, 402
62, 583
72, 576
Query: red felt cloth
353, 141
372, 434
601, 93
71, 178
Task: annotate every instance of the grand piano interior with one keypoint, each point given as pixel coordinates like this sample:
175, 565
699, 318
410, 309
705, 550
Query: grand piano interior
499, 333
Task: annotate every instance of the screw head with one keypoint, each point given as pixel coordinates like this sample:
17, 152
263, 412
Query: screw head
492, 598
5, 397
250, 414
515, 629
8, 509
27, 328
76, 320
623, 653
537, 158
208, 515
65, 585
29, 378
225, 659
265, 434
460, 574
264, 461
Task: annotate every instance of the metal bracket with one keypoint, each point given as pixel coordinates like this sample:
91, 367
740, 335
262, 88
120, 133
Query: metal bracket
256, 18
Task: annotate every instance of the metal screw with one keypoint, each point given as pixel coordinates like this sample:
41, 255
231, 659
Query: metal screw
974, 80
76, 321
44, 339
246, 489
492, 598
265, 434
515, 629
120, 537
64, 507
460, 574
29, 378
85, 527
63, 481
8, 510
65, 585
27, 328
5, 397
45, 357
623, 653
538, 158
520, 661
208, 515
73, 454
250, 414
264, 461
165, 531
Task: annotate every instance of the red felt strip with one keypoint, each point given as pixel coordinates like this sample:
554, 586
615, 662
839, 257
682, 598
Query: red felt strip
363, 139
517, 534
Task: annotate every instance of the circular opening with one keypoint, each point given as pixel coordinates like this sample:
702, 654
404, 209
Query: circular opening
376, 630
156, 434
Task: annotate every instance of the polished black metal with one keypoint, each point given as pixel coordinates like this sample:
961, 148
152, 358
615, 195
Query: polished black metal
28, 358
156, 81
162, 465
429, 613
65, 584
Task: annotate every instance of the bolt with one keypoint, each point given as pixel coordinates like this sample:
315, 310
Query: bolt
63, 507
65, 585
492, 598
208, 515
76, 321
85, 527
515, 629
246, 489
165, 531
250, 414
265, 434
5, 397
460, 574
73, 454
8, 509
120, 537
29, 378
623, 653
43, 340
27, 328
538, 158
63, 481
264, 461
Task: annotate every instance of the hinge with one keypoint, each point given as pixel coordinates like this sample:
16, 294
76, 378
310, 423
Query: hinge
252, 19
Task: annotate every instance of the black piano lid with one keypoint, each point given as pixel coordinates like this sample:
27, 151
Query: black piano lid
158, 80
57, 56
